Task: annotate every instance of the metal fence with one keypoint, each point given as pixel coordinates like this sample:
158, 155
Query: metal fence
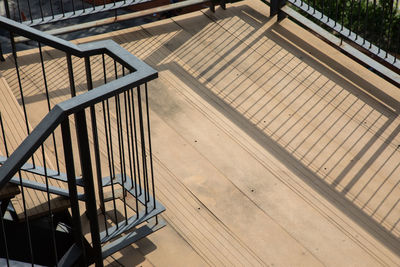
99, 140
373, 25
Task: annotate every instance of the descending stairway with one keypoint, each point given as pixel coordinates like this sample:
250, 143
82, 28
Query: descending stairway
116, 236
46, 189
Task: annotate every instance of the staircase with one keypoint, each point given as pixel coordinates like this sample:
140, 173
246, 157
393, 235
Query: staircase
50, 172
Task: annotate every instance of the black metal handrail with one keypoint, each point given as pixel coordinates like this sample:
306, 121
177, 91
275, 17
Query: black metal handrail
138, 73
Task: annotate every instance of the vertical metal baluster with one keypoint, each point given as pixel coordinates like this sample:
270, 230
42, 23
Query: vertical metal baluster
143, 145
48, 104
121, 153
53, 234
337, 12
1, 54
7, 9
104, 68
26, 218
21, 92
3, 230
62, 7
83, 6
4, 136
19, 11
390, 27
322, 8
358, 20
328, 13
41, 9
112, 162
73, 193
136, 141
87, 176
96, 147
71, 75
351, 17
107, 143
343, 9
314, 6
29, 10
73, 6
127, 135
366, 21
372, 37
133, 174
1, 212
397, 50
109, 166
51, 9
94, 5
150, 150
381, 28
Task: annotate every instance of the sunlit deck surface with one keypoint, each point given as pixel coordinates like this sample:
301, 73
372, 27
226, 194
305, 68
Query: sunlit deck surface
270, 147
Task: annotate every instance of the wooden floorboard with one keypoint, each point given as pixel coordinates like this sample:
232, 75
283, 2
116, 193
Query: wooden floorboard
270, 147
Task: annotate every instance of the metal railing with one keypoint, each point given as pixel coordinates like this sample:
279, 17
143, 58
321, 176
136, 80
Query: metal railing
374, 26
37, 12
115, 142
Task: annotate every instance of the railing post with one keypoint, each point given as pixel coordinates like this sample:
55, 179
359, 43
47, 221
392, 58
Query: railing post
73, 193
1, 54
275, 8
7, 9
87, 176
223, 4
89, 82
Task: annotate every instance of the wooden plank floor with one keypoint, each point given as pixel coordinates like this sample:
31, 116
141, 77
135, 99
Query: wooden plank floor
270, 147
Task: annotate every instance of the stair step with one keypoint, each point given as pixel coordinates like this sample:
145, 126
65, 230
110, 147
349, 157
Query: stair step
3, 262
41, 171
9, 191
142, 216
123, 227
108, 196
43, 188
129, 188
131, 237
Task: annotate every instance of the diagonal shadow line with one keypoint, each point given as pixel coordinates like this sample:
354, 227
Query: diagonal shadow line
349, 149
289, 104
386, 197
343, 70
381, 184
363, 151
302, 171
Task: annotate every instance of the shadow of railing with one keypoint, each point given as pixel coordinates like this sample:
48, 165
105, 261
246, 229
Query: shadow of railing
329, 125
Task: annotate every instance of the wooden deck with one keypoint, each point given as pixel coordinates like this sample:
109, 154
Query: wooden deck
270, 147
